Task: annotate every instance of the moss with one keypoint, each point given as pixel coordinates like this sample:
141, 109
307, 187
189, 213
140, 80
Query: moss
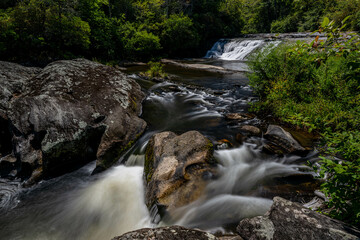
133, 104
149, 162
113, 154
210, 156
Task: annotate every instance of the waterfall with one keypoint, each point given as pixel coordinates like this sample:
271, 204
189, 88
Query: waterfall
236, 49
108, 206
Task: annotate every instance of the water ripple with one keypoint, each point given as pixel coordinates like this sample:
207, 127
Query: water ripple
8, 193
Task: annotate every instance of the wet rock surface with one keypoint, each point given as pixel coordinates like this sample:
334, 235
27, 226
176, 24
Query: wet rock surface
288, 220
250, 130
239, 116
282, 139
177, 168
69, 113
165, 233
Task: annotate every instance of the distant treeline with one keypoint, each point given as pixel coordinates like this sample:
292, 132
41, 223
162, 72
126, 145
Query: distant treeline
45, 30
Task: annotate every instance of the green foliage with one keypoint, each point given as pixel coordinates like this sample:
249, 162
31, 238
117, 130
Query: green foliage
45, 30
178, 35
155, 70
288, 24
140, 43
316, 85
343, 188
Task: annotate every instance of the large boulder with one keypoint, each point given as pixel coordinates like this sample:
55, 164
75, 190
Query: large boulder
166, 233
177, 168
283, 139
13, 80
288, 220
73, 112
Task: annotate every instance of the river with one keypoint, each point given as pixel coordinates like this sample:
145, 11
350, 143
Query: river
80, 205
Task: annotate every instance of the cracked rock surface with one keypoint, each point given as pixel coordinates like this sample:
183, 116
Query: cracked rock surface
289, 220
177, 168
67, 114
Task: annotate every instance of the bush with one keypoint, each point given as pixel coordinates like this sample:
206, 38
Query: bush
317, 86
156, 70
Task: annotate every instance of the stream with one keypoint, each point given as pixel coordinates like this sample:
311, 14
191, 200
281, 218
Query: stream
79, 205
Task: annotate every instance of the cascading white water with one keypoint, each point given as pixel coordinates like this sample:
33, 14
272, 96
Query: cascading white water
229, 198
236, 49
109, 207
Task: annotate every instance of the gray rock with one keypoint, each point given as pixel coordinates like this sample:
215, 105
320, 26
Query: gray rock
252, 130
13, 81
283, 139
73, 112
177, 168
199, 67
166, 233
7, 164
239, 116
288, 220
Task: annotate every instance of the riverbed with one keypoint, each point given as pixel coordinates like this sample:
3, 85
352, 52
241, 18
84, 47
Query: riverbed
80, 205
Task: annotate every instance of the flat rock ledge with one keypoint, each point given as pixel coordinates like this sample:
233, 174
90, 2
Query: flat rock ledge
288, 220
177, 168
198, 66
69, 113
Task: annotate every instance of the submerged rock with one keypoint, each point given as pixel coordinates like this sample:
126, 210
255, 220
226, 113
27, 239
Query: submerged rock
72, 112
177, 168
239, 116
165, 233
288, 220
283, 139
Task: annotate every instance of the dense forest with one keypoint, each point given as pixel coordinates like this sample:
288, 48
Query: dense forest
40, 31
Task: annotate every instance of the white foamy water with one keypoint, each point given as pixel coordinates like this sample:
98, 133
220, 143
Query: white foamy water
109, 207
229, 198
237, 49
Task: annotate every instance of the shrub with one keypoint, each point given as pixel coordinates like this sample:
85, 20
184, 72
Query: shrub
316, 85
155, 70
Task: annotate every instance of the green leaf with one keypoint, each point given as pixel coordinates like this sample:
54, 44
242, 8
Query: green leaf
325, 22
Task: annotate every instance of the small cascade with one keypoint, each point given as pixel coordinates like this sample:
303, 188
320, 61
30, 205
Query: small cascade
109, 207
236, 49
233, 196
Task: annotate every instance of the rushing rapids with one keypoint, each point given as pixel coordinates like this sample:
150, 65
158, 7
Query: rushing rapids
80, 205
236, 49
